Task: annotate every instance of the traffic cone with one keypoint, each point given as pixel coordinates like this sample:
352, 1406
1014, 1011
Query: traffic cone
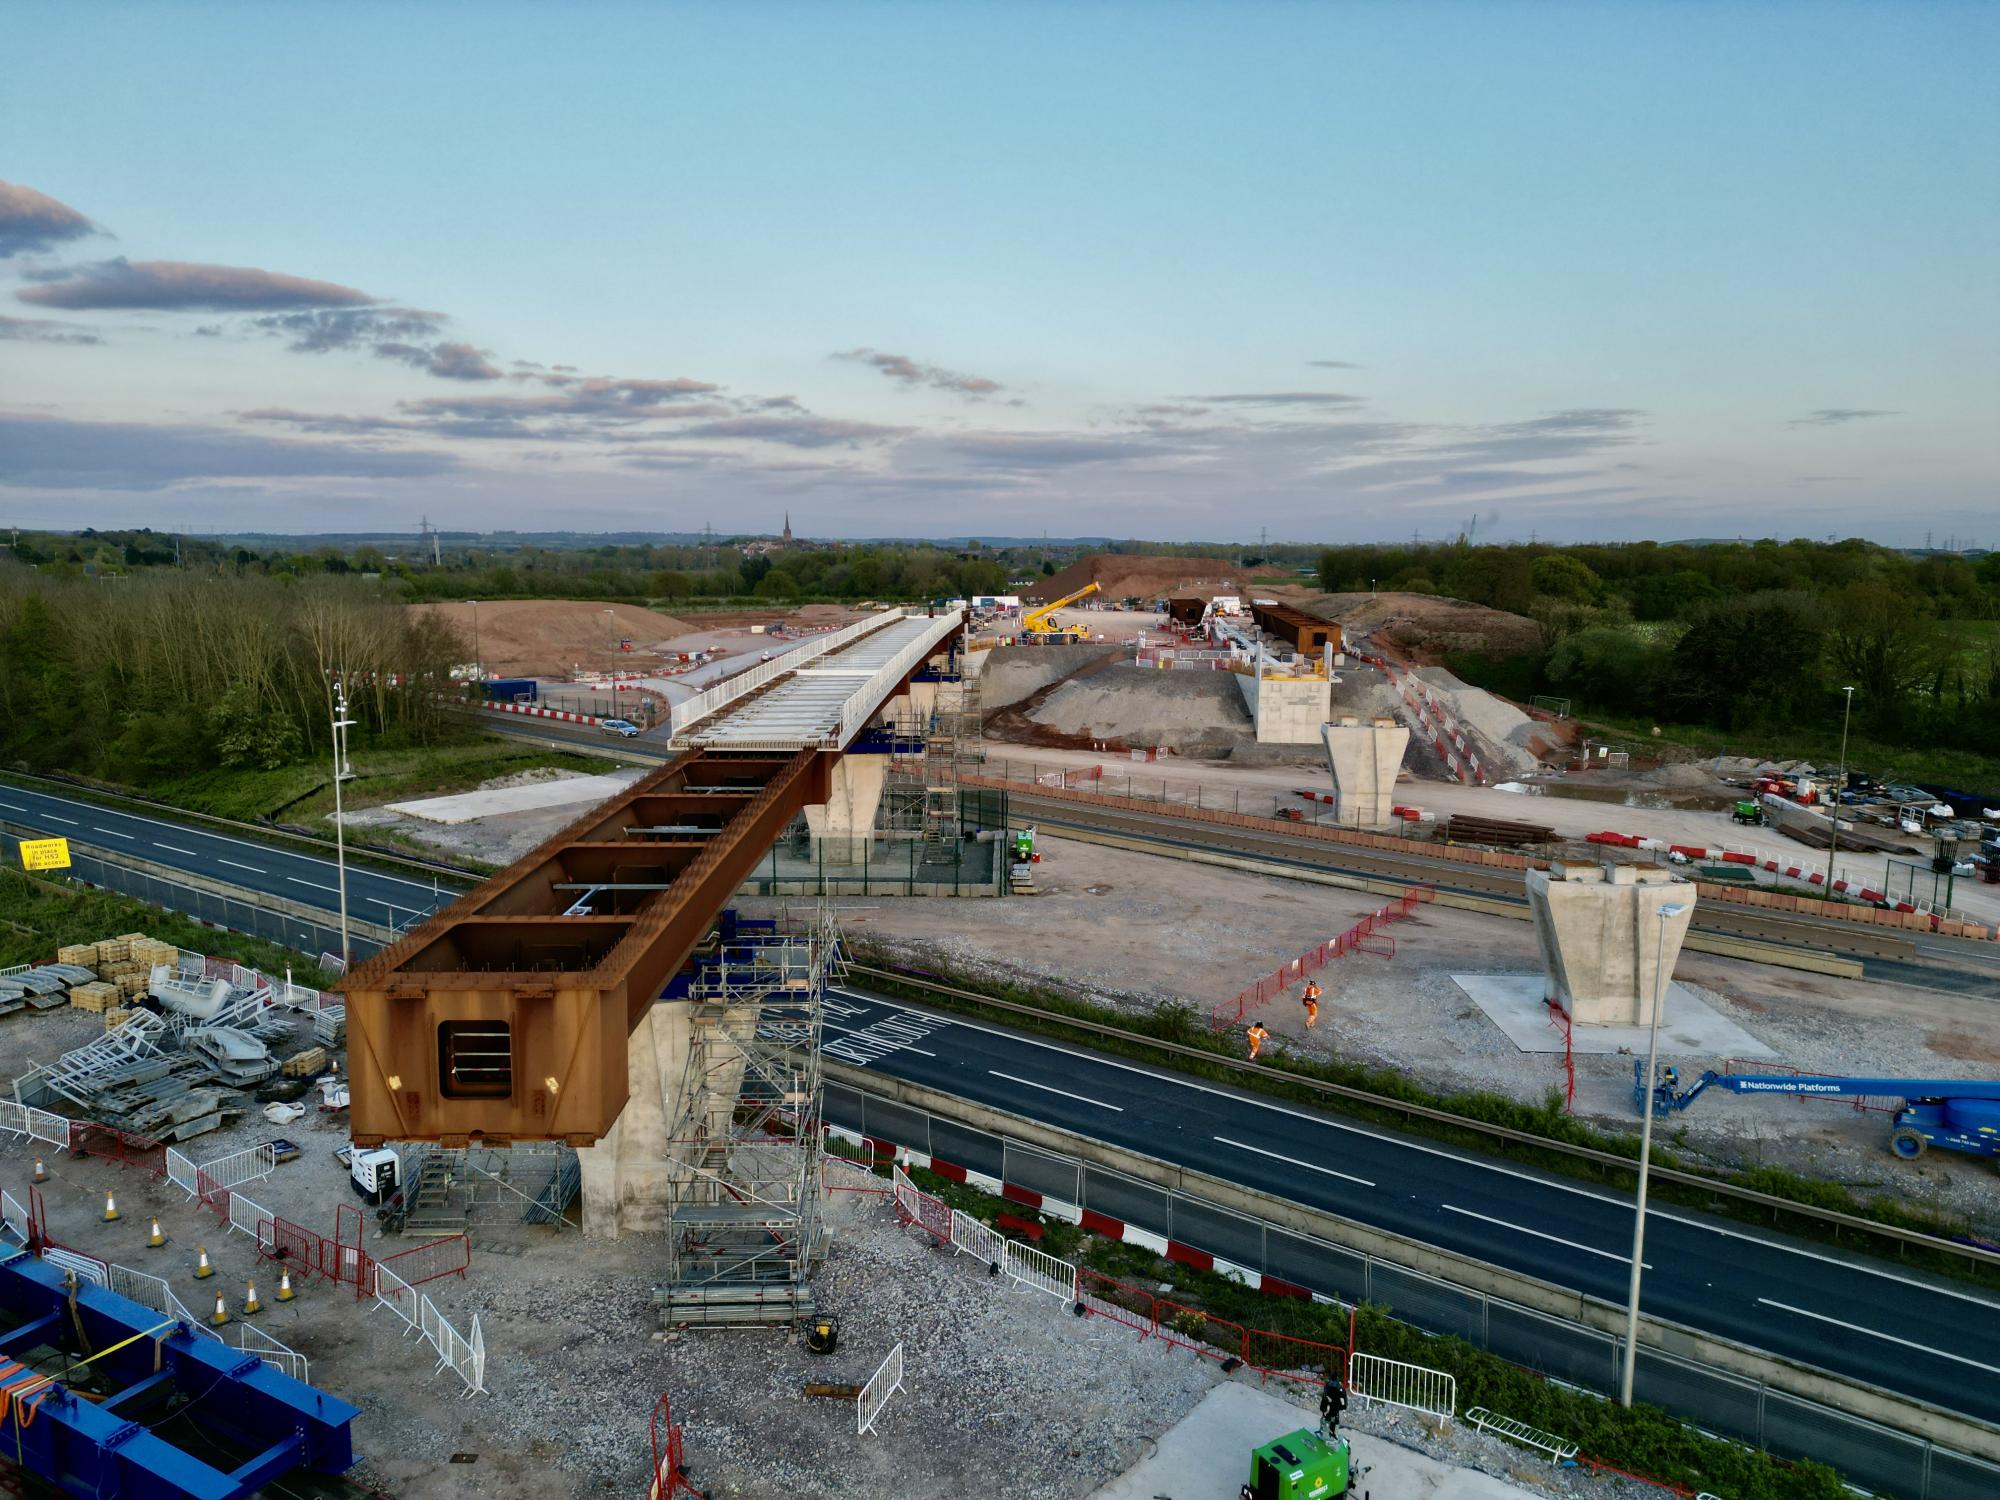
111, 1214
221, 1312
251, 1306
41, 1172
204, 1270
285, 1292
155, 1239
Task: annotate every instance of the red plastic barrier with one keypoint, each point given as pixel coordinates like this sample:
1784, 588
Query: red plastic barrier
451, 1256
87, 1138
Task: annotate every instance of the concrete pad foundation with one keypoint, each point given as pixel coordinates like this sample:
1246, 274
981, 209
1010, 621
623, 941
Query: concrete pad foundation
1689, 1027
1364, 760
1605, 948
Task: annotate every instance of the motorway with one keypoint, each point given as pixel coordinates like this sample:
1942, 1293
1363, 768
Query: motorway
1920, 1337
1900, 1330
268, 868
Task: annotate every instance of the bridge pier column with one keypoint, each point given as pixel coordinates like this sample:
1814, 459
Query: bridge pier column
1601, 938
1364, 759
844, 822
625, 1175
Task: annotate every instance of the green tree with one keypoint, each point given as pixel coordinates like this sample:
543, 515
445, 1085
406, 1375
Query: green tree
1559, 576
777, 584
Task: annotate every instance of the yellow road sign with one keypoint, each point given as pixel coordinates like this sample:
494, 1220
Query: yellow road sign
45, 854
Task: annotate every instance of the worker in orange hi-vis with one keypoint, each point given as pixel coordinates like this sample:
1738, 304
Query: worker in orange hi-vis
1311, 1001
1258, 1036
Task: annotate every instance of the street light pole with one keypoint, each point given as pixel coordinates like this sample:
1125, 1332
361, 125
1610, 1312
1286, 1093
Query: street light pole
1666, 914
478, 660
341, 771
1833, 839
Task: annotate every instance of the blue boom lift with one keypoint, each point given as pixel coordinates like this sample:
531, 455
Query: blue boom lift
1954, 1114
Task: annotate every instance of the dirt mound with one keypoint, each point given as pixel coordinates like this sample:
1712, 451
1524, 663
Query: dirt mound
1191, 712
548, 637
1014, 673
1118, 576
1423, 627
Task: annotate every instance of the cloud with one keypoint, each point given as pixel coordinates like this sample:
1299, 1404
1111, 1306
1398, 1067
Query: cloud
31, 222
323, 329
794, 432
44, 331
596, 401
1280, 398
182, 286
1332, 364
1037, 450
1835, 416
909, 372
54, 453
447, 361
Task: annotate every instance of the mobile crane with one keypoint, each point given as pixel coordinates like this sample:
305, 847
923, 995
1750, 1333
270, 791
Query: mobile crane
1039, 623
1953, 1114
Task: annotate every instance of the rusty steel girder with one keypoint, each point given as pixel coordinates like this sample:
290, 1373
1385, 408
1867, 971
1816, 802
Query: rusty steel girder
505, 1016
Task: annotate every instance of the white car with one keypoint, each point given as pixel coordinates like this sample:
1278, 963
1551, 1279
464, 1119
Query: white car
623, 727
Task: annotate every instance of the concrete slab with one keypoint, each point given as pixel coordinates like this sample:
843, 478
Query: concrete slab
1691, 1026
1206, 1456
467, 806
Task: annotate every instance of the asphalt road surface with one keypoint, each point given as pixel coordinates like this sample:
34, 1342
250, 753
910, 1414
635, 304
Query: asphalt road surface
267, 868
1922, 1337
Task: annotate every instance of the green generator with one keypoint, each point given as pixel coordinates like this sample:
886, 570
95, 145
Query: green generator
1300, 1465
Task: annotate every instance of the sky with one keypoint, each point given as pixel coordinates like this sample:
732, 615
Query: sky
1317, 272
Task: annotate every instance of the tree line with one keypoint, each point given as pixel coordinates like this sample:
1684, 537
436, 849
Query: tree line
1733, 636
147, 677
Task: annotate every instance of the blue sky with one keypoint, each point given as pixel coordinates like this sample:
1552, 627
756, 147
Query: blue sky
1340, 272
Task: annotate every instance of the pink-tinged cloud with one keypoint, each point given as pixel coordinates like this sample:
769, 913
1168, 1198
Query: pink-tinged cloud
31, 222
182, 286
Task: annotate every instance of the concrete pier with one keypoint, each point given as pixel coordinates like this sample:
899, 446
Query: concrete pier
625, 1175
1605, 950
844, 821
1364, 760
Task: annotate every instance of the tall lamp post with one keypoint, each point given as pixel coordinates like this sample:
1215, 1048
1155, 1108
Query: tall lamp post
611, 617
478, 659
1833, 838
341, 771
1666, 914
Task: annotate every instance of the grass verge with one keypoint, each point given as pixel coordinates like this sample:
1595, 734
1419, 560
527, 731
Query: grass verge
39, 914
1643, 1439
1182, 1025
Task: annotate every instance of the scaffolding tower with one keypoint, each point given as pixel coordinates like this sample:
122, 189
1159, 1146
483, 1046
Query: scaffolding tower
743, 1217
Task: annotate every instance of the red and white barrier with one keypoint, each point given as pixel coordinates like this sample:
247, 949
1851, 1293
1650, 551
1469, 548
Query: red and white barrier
544, 713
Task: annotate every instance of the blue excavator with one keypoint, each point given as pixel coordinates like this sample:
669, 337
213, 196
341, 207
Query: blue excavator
1953, 1114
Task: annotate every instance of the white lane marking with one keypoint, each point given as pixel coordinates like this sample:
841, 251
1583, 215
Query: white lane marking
1554, 1239
869, 1037
54, 819
233, 865
1048, 1089
223, 838
12, 808
313, 883
171, 849
1293, 1161
1887, 1338
1777, 1246
114, 833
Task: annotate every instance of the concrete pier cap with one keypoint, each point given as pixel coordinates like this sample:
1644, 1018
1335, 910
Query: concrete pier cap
1364, 757
1607, 952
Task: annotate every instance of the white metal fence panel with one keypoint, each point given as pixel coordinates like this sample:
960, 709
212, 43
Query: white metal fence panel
1390, 1382
907, 1196
87, 1267
242, 1166
466, 1356
13, 1217
13, 1117
1040, 1270
44, 1126
884, 1383
181, 1172
278, 1355
396, 1294
147, 1291
977, 1240
247, 1216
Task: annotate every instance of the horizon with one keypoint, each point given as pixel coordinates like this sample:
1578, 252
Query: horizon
1328, 276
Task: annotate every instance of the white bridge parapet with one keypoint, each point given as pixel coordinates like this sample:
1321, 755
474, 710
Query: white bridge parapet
818, 696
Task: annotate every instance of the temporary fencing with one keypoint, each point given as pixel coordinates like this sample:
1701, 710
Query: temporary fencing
669, 1456
1559, 1449
152, 1292
340, 1260
13, 1117
1272, 1355
884, 1383
465, 1355
1364, 936
44, 1126
182, 1172
14, 1217
396, 1294
1390, 1382
239, 1167
275, 1353
248, 1217
86, 1138
85, 1267
449, 1256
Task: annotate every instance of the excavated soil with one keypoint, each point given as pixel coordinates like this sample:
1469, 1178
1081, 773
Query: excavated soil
1119, 577
548, 637
1423, 627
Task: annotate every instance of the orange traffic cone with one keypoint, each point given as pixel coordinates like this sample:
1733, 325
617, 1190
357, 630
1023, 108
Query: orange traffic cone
204, 1270
221, 1313
155, 1239
285, 1292
41, 1172
251, 1306
111, 1214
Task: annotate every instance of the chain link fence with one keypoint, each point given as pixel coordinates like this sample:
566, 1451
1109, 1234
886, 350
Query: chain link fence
1867, 1453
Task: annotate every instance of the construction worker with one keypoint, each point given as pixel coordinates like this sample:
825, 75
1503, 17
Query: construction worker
1311, 1001
1257, 1035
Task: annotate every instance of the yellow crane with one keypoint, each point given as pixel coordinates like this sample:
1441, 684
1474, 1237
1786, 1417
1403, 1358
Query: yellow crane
1040, 621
